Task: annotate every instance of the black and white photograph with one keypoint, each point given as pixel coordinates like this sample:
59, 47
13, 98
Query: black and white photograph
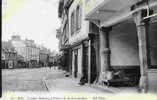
79, 50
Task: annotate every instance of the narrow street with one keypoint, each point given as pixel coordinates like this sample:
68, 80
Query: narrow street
24, 79
46, 80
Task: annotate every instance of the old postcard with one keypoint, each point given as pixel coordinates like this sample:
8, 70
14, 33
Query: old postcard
79, 50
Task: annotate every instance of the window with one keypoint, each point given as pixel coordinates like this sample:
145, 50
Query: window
72, 23
65, 33
76, 20
78, 17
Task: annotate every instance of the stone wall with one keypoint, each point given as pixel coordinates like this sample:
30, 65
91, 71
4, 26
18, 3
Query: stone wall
124, 45
82, 33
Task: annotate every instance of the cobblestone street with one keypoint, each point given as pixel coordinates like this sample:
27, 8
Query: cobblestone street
24, 79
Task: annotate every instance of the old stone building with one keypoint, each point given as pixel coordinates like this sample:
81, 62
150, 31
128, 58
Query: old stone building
73, 36
26, 49
19, 45
31, 53
127, 30
43, 56
9, 56
102, 38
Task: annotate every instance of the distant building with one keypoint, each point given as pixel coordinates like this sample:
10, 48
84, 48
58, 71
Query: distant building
9, 56
44, 56
21, 62
19, 46
32, 53
52, 59
28, 53
27, 49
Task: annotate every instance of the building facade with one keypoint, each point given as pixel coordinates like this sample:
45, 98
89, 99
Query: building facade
75, 39
19, 46
28, 52
25, 52
44, 56
32, 53
9, 56
110, 36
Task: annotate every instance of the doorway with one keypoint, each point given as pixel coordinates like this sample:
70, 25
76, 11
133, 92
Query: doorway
75, 63
85, 63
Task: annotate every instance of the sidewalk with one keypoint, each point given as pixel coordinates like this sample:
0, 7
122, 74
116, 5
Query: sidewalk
57, 82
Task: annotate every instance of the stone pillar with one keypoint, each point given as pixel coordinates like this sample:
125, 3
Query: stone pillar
104, 50
142, 32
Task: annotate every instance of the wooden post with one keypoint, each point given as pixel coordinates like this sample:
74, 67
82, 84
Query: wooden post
89, 62
82, 60
143, 49
97, 58
104, 50
73, 63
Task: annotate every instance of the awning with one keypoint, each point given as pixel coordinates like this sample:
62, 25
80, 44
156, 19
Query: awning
111, 12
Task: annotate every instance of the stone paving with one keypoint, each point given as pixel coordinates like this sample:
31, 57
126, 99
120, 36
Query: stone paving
57, 82
54, 80
24, 79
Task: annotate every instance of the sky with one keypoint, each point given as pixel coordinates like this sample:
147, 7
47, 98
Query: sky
31, 19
